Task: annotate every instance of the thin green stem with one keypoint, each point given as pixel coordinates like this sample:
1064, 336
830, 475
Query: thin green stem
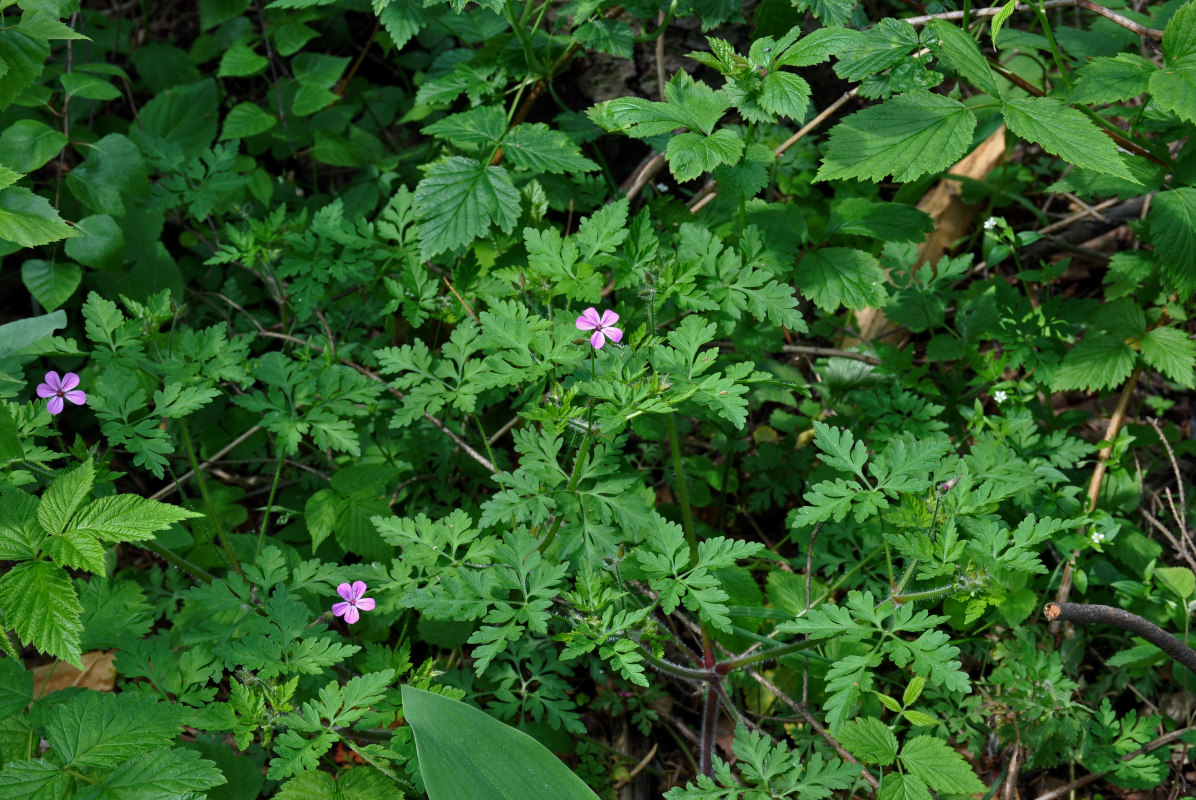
207, 499
175, 560
485, 438
676, 670
687, 515
269, 503
928, 594
765, 655
1050, 37
573, 479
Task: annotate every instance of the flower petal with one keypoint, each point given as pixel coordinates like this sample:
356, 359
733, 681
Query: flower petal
45, 390
70, 381
340, 609
345, 591
366, 604
351, 615
589, 319
608, 318
598, 339
358, 589
54, 405
78, 397
614, 334
52, 380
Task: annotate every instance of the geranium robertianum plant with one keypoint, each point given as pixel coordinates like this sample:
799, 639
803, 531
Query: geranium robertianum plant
716, 433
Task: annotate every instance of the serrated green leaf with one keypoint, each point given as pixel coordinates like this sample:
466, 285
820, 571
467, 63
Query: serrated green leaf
909, 136
485, 125
127, 518
88, 87
961, 51
1172, 222
29, 220
1173, 88
1098, 363
540, 149
1179, 37
869, 740
112, 609
244, 120
610, 36
33, 780
940, 767
101, 245
835, 276
896, 786
914, 690
359, 783
240, 61
1112, 80
691, 154
65, 495
1171, 352
40, 604
46, 25
25, 58
77, 551
817, 47
459, 199
890, 222
1062, 131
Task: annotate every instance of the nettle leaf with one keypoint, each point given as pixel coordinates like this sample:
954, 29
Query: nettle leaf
40, 604
359, 783
688, 104
908, 136
869, 740
692, 154
541, 149
890, 222
939, 766
21, 535
829, 12
1062, 131
127, 518
1171, 352
1101, 361
65, 495
878, 49
841, 276
1173, 88
29, 220
1112, 80
1172, 222
161, 773
458, 201
961, 51
471, 129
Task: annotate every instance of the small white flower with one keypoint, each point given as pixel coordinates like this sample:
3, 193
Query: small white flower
990, 223
1000, 396
1097, 537
662, 187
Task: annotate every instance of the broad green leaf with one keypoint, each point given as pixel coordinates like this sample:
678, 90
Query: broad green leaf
9, 176
1171, 352
240, 61
689, 104
785, 95
890, 222
66, 493
51, 284
246, 119
127, 518
162, 773
76, 550
45, 25
817, 47
88, 87
1062, 131
40, 604
869, 740
1111, 80
961, 51
609, 36
28, 144
103, 729
541, 149
24, 58
16, 687
1098, 363
101, 245
10, 442
318, 69
1180, 580
182, 115
834, 276
895, 786
939, 766
32, 780
112, 610
1173, 88
829, 12
877, 49
1179, 37
477, 127
464, 752
1172, 222
909, 136
691, 154
29, 219
17, 335
359, 783
402, 20
113, 173
459, 199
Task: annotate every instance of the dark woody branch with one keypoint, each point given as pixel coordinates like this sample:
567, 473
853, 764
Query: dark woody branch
1107, 615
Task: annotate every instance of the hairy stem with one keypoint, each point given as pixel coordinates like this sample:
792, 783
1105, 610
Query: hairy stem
207, 499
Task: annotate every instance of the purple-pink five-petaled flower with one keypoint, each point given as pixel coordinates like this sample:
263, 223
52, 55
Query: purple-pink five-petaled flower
603, 326
56, 389
354, 602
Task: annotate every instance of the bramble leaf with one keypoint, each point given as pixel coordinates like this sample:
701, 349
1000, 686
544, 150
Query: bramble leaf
459, 199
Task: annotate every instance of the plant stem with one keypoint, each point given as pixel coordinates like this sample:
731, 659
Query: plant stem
573, 479
687, 517
1120, 618
725, 667
175, 560
270, 503
207, 498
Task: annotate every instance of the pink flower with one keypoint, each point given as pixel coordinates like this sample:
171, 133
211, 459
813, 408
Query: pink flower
56, 388
353, 601
602, 326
